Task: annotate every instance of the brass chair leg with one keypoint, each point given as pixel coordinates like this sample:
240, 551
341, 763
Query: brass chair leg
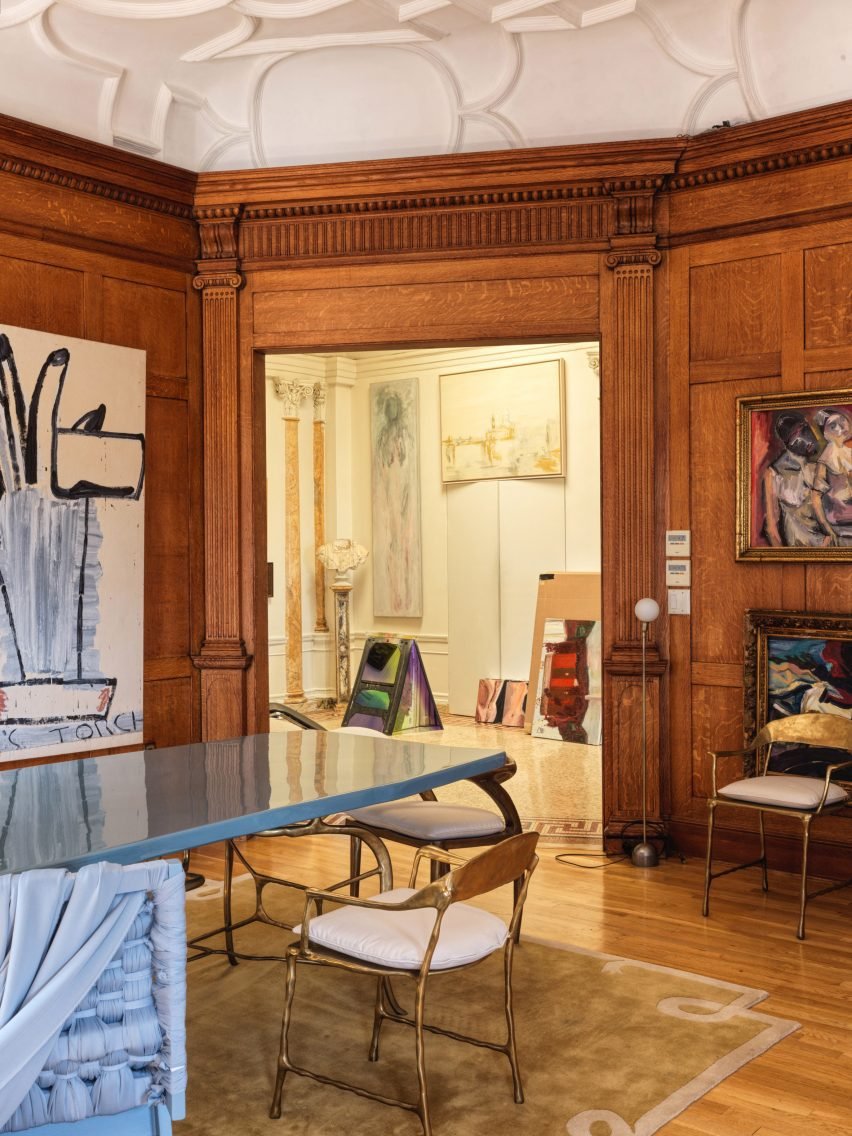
422, 1094
803, 899
763, 851
390, 999
283, 1053
226, 901
378, 1017
707, 877
511, 1048
354, 865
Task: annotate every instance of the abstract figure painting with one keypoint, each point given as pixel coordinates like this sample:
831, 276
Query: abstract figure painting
397, 549
501, 702
72, 461
796, 663
794, 476
570, 684
502, 423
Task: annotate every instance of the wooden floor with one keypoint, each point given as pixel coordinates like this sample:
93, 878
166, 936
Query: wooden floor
801, 1086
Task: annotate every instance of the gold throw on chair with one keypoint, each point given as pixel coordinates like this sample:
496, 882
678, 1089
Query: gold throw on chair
413, 934
788, 790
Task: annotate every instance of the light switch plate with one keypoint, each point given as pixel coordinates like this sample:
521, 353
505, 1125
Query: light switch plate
679, 601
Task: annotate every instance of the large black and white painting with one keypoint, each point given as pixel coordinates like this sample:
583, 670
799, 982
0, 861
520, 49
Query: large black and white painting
72, 463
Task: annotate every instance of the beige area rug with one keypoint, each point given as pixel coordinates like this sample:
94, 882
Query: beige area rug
608, 1046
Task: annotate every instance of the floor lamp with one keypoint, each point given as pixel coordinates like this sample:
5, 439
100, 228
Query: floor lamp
645, 855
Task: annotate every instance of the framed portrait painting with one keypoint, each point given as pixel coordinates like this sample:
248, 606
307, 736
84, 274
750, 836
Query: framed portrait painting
796, 663
794, 476
503, 422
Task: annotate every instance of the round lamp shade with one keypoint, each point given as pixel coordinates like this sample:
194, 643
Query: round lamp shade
647, 610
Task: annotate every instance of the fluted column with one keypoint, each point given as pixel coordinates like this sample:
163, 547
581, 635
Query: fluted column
319, 397
630, 489
292, 393
222, 659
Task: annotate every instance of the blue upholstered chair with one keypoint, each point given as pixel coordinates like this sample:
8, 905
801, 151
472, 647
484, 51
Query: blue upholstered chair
93, 1000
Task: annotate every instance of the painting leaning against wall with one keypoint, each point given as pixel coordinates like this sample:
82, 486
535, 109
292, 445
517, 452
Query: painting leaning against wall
72, 463
397, 544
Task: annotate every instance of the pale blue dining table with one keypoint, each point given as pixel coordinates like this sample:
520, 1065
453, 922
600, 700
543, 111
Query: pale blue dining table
134, 806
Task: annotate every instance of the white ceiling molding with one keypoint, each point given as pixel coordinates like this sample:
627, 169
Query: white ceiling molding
46, 37
742, 53
612, 69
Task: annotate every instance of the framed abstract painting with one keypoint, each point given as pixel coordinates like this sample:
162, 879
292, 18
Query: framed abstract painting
794, 476
796, 663
503, 422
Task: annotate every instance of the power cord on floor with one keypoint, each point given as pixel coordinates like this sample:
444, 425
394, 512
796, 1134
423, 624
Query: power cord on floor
607, 860
629, 838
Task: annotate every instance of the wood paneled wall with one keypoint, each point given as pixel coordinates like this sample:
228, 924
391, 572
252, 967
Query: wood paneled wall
100, 245
759, 313
709, 268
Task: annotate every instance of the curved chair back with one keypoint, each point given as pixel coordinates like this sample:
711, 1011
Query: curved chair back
500, 865
827, 731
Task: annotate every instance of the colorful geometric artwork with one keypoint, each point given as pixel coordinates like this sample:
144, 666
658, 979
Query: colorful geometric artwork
72, 464
503, 423
397, 547
501, 702
391, 692
568, 699
795, 476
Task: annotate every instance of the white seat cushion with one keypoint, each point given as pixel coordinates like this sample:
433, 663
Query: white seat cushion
399, 938
430, 820
784, 790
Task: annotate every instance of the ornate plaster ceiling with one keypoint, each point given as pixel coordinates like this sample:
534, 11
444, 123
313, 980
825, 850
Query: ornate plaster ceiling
224, 84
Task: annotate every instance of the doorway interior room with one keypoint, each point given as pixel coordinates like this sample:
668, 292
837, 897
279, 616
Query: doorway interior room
485, 528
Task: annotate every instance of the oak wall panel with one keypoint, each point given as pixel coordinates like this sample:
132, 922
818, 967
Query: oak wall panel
723, 589
167, 529
43, 297
452, 308
828, 292
150, 318
735, 309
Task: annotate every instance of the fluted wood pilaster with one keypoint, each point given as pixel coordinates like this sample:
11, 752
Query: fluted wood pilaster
629, 514
223, 658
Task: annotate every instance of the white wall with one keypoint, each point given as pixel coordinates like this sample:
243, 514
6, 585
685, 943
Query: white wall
484, 543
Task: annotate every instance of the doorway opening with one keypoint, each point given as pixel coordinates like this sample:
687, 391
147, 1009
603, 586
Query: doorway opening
484, 540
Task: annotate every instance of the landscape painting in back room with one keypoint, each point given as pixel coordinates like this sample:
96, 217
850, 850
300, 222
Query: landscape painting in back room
397, 547
503, 422
72, 463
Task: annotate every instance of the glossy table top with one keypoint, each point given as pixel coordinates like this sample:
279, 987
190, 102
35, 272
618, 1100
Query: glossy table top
133, 806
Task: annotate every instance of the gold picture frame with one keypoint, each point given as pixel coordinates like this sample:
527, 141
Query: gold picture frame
795, 663
794, 476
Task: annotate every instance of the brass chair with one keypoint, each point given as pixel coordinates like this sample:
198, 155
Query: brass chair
398, 934
787, 792
428, 821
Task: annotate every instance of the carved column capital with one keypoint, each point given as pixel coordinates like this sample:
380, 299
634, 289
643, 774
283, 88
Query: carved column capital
218, 280
292, 393
320, 396
637, 260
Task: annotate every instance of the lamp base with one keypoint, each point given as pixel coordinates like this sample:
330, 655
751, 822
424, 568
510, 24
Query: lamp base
645, 855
